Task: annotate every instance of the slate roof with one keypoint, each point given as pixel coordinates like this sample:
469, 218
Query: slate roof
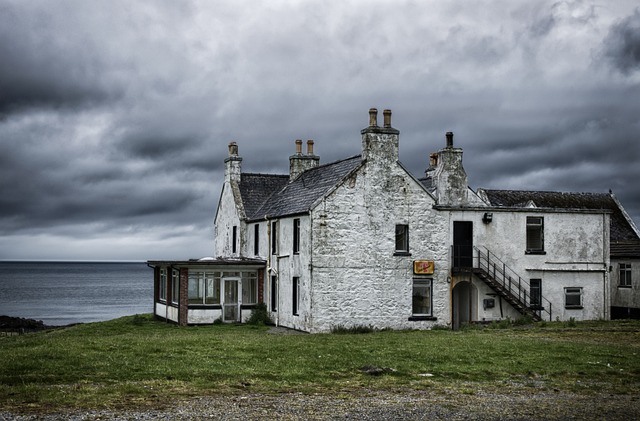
621, 229
297, 196
256, 189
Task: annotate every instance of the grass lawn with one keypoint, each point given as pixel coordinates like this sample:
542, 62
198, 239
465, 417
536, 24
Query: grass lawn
139, 362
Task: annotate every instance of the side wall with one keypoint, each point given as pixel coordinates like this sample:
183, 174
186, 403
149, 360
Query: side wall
226, 218
357, 278
625, 300
576, 255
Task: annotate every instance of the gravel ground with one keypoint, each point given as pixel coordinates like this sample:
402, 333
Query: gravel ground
379, 405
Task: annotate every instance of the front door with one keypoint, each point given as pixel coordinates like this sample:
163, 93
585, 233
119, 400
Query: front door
462, 244
231, 303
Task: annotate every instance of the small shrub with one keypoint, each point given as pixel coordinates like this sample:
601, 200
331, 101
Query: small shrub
571, 322
218, 321
501, 324
523, 321
358, 329
259, 315
138, 320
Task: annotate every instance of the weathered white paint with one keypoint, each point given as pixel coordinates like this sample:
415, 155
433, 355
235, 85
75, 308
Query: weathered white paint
576, 254
622, 296
350, 276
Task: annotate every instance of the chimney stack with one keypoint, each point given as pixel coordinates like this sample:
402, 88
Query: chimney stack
232, 165
380, 143
300, 163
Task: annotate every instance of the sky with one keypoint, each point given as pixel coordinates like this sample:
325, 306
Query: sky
115, 116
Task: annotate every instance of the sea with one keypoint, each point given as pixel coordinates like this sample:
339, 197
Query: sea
63, 293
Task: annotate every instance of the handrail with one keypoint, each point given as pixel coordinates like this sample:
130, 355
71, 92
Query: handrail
506, 277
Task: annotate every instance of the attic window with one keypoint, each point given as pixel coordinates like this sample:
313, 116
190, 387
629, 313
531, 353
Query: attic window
535, 235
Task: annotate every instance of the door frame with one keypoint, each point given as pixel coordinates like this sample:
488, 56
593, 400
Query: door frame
233, 304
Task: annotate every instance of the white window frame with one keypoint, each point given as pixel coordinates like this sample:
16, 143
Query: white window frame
175, 286
573, 292
535, 224
402, 239
162, 293
422, 282
624, 272
295, 304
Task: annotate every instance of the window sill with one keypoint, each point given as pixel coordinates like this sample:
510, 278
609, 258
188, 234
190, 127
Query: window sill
205, 307
247, 306
624, 286
402, 253
422, 318
539, 252
573, 307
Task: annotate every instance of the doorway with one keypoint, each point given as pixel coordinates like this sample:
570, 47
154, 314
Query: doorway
462, 244
465, 309
231, 302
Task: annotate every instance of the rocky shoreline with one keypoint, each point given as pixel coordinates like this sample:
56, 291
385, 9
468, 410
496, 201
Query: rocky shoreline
21, 325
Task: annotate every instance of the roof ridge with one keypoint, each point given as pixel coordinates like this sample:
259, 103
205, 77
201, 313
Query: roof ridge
265, 174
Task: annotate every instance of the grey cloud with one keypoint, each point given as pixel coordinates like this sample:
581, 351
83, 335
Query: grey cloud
622, 44
117, 115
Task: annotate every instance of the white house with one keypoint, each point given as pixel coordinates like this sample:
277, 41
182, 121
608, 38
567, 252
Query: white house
363, 242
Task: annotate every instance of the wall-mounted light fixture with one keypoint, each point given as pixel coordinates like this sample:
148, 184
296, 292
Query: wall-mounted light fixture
487, 218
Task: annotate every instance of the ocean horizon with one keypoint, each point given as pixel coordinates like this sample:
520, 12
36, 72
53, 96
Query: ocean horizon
62, 292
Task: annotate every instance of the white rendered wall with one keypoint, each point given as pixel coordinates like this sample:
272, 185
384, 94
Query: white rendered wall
576, 246
356, 278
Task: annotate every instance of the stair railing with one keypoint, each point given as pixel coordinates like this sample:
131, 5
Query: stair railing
510, 281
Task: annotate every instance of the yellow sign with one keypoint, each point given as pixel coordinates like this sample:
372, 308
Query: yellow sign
423, 267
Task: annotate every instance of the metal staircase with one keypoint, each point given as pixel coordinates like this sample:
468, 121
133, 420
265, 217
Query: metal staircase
503, 280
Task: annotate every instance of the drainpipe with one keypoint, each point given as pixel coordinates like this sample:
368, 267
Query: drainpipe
271, 271
605, 274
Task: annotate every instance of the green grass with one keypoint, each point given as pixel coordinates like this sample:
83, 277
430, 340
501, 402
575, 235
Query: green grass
137, 361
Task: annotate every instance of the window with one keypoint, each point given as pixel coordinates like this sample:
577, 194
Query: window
296, 236
249, 288
625, 275
535, 234
256, 239
204, 288
234, 239
402, 239
296, 294
163, 285
274, 237
573, 297
421, 297
535, 293
175, 284
274, 293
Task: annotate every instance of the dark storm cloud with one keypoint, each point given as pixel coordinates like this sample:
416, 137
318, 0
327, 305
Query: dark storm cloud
622, 44
116, 115
47, 60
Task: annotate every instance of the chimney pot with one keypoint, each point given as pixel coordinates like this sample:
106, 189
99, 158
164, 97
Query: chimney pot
298, 146
449, 139
233, 149
387, 118
433, 160
373, 117
310, 147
